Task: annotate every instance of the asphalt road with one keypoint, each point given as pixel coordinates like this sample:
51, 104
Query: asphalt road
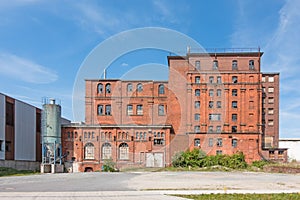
146, 185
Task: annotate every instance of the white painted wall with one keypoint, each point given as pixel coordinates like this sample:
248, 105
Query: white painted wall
2, 126
25, 131
293, 146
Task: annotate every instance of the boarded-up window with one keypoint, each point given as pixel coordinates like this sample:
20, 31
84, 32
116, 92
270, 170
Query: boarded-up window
268, 142
123, 151
89, 151
106, 151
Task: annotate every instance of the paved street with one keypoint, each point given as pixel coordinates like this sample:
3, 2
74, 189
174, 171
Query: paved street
146, 185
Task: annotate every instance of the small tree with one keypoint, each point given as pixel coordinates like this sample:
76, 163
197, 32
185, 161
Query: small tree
109, 166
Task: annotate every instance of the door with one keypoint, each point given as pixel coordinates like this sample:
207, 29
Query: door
154, 160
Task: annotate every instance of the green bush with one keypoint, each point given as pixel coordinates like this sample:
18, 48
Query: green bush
198, 158
109, 166
260, 163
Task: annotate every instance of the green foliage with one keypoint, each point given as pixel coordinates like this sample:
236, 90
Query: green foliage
290, 196
198, 158
6, 171
109, 166
260, 163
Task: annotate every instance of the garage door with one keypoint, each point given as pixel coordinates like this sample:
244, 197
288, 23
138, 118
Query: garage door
154, 160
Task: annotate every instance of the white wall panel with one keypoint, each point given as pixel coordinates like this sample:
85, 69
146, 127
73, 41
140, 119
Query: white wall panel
293, 146
25, 132
2, 126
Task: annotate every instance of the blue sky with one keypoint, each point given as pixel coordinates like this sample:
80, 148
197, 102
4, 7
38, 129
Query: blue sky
43, 43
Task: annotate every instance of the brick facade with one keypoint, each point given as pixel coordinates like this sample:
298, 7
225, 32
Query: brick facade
214, 101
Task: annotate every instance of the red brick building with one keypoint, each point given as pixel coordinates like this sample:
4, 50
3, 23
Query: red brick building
219, 102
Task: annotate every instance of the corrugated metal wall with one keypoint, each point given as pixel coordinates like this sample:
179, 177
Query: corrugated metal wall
2, 126
25, 132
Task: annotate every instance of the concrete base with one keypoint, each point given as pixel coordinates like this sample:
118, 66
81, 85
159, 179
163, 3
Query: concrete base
20, 165
52, 168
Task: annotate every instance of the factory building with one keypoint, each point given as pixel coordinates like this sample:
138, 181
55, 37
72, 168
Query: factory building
219, 102
20, 133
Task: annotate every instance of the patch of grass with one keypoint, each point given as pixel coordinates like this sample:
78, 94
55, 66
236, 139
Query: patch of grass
290, 196
6, 171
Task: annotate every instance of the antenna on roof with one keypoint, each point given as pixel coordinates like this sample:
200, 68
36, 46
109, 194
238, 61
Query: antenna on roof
104, 74
188, 49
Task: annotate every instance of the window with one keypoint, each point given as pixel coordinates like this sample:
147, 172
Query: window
211, 92
210, 129
271, 100
219, 92
8, 146
108, 110
214, 117
270, 122
197, 129
234, 92
211, 79
270, 89
210, 142
106, 151
197, 64
197, 92
234, 117
123, 151
139, 87
271, 79
234, 129
197, 142
100, 110
234, 79
197, 117
219, 152
210, 104
219, 104
100, 88
234, 65
129, 87
161, 89
197, 79
9, 114
234, 104
219, 129
234, 143
263, 79
89, 151
219, 142
129, 110
251, 64
270, 111
139, 109
159, 141
219, 79
108, 88
197, 104
1, 143
161, 110
271, 154
215, 64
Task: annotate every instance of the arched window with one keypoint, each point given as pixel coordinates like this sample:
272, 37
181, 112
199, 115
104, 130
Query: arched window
234, 65
197, 92
251, 64
108, 88
123, 151
215, 64
100, 88
89, 150
106, 151
129, 87
100, 110
139, 87
161, 89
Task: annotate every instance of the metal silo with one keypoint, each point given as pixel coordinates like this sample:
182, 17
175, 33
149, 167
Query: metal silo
51, 136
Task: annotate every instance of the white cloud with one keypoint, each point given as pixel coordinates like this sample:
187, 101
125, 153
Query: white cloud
124, 64
25, 70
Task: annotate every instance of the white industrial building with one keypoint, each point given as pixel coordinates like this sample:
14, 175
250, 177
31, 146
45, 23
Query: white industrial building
293, 145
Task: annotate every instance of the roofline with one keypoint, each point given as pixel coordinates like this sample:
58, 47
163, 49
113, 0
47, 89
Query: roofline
289, 139
270, 73
114, 126
155, 81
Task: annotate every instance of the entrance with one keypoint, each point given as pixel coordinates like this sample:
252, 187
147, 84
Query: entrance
154, 160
